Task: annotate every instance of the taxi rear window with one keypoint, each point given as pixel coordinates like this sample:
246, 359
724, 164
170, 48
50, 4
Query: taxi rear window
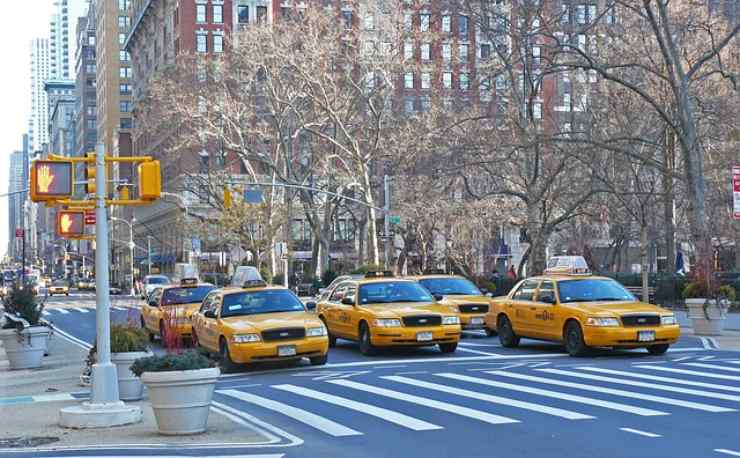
257, 302
174, 296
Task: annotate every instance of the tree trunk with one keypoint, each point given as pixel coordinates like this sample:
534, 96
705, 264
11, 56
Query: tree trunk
372, 220
669, 202
644, 260
362, 244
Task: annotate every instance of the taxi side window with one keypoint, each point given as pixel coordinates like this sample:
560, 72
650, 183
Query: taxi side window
208, 303
339, 293
526, 291
156, 296
351, 291
546, 292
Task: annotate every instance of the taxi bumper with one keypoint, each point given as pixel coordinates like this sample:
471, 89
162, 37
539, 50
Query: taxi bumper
472, 321
627, 337
253, 352
409, 336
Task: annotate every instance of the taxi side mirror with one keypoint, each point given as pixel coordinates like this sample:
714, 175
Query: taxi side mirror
438, 297
311, 305
489, 294
209, 314
547, 298
153, 304
348, 300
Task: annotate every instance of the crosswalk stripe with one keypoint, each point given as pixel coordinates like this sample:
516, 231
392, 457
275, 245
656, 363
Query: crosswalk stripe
81, 310
557, 395
477, 352
379, 412
657, 378
307, 418
567, 414
690, 372
62, 311
734, 362
713, 366
640, 433
426, 402
605, 390
652, 386
727, 452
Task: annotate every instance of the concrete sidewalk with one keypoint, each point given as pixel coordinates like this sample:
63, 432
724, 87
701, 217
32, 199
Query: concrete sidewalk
729, 340
30, 401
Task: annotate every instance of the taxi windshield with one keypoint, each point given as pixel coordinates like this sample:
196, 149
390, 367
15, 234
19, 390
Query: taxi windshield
256, 302
450, 286
592, 290
157, 280
393, 291
175, 296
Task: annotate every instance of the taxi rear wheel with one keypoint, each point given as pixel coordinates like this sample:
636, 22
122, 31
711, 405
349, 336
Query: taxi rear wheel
490, 332
506, 333
448, 347
227, 364
574, 343
319, 360
366, 346
658, 349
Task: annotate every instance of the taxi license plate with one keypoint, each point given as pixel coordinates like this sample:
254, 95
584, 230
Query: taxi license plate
286, 350
645, 336
476, 320
423, 336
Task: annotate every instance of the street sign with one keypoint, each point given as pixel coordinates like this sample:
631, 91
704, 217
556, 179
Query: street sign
253, 196
90, 217
394, 219
19, 233
736, 191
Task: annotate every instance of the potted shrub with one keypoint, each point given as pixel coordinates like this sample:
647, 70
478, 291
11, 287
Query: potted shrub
24, 335
127, 344
180, 389
707, 302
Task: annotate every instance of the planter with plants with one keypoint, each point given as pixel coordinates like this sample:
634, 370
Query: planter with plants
707, 303
24, 335
128, 343
180, 387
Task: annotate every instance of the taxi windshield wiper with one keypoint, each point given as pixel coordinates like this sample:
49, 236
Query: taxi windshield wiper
612, 299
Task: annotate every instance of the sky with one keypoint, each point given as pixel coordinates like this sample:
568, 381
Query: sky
20, 22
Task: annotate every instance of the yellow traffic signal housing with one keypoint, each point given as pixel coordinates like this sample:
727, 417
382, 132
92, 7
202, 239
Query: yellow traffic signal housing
90, 175
51, 180
150, 180
227, 198
70, 223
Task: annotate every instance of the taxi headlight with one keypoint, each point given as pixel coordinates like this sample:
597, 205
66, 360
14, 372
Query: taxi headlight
450, 320
668, 320
594, 321
316, 332
387, 323
246, 338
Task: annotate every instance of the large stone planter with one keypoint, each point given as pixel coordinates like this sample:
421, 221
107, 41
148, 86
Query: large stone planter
130, 387
25, 349
710, 323
181, 399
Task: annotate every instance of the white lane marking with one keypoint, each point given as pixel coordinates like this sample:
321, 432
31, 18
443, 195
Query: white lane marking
713, 366
727, 452
685, 349
557, 395
46, 313
734, 362
689, 372
651, 386
81, 310
280, 455
623, 393
641, 433
315, 421
72, 339
684, 358
470, 344
427, 402
412, 373
706, 358
676, 381
567, 414
477, 352
540, 364
271, 432
368, 409
399, 366
62, 311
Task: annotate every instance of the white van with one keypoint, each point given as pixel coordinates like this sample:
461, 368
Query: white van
244, 274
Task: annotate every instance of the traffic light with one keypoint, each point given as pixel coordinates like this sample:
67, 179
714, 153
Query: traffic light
70, 223
227, 198
51, 180
150, 180
90, 175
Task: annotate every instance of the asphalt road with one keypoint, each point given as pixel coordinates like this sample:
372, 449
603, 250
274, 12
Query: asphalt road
483, 401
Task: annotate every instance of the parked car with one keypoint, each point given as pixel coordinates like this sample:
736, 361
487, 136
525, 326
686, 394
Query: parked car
153, 281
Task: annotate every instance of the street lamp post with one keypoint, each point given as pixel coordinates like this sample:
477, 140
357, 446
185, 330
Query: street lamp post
131, 246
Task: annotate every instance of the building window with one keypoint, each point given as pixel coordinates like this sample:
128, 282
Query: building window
408, 22
91, 124
565, 14
261, 14
425, 103
500, 83
408, 104
243, 14
370, 80
218, 14
125, 72
91, 40
463, 54
347, 16
426, 80
536, 54
446, 52
485, 51
426, 52
463, 25
125, 106
123, 5
408, 80
611, 15
126, 123
408, 51
447, 80
446, 23
123, 56
369, 22
123, 22
218, 43
121, 38
200, 14
582, 42
464, 81
537, 110
424, 20
90, 111
201, 42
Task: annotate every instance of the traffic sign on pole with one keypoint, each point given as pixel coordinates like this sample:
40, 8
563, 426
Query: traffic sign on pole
19, 233
736, 191
90, 217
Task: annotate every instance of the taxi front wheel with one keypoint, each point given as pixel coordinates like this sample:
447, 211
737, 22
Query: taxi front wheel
366, 346
658, 349
506, 333
227, 364
574, 343
448, 347
319, 360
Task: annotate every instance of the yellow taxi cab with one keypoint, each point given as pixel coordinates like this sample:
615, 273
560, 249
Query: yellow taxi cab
168, 309
59, 287
380, 311
259, 323
567, 304
461, 293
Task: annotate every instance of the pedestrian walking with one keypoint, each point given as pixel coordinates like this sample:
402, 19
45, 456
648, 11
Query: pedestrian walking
511, 273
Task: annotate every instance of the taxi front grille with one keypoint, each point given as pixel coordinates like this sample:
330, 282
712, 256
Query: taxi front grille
422, 320
640, 320
473, 308
283, 334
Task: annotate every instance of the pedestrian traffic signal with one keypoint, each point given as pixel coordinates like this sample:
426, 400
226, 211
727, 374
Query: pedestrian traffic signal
150, 181
51, 180
90, 175
70, 223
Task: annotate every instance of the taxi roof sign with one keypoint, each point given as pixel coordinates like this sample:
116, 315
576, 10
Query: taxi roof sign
189, 282
254, 284
379, 274
567, 265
